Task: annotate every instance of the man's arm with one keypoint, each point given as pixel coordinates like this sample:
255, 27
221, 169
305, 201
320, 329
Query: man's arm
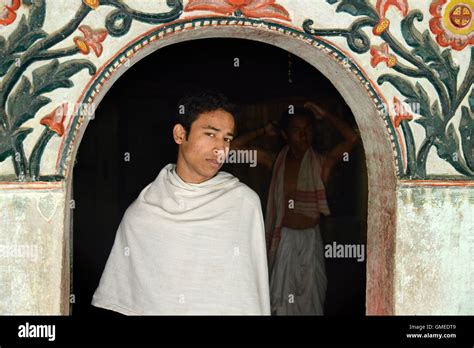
244, 139
264, 157
351, 138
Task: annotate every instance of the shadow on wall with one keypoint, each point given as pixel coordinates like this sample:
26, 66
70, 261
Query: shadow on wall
129, 141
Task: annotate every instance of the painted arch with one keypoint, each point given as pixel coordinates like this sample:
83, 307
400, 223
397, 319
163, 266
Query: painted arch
420, 80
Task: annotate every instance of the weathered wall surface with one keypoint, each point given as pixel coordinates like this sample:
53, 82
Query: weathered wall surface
405, 67
435, 251
32, 249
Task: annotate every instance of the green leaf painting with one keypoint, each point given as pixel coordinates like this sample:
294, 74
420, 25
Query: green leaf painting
22, 98
421, 57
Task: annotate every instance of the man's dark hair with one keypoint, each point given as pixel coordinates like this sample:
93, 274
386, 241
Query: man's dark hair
298, 111
198, 102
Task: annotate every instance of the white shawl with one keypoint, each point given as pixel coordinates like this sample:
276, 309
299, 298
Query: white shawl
186, 248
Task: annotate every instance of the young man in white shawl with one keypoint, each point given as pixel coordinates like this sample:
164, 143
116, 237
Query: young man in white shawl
296, 199
193, 242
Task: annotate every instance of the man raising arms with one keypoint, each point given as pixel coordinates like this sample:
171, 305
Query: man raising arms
296, 199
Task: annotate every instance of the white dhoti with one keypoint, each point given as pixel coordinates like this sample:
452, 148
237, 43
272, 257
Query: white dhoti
298, 279
296, 257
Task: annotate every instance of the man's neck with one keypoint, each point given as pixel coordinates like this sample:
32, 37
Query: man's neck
189, 179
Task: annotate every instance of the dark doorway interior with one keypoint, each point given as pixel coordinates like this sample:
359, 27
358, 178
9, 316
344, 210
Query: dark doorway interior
134, 122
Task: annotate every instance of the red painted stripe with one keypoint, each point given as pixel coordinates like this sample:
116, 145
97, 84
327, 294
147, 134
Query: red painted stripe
437, 183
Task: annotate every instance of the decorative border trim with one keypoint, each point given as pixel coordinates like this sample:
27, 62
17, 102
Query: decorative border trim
436, 183
32, 185
53, 185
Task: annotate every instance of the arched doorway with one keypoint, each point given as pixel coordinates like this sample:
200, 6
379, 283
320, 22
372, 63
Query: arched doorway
360, 96
118, 156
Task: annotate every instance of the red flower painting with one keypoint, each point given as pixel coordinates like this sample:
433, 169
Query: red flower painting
8, 10
401, 113
453, 23
55, 119
382, 54
92, 39
248, 8
382, 7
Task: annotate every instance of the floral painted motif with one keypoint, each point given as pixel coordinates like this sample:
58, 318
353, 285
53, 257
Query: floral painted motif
248, 8
93, 4
8, 10
54, 124
453, 23
54, 120
21, 97
92, 39
401, 113
416, 56
382, 54
382, 8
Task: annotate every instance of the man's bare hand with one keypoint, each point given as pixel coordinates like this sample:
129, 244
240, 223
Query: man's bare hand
270, 129
318, 112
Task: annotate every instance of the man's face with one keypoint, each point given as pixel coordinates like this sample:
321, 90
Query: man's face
201, 156
299, 134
